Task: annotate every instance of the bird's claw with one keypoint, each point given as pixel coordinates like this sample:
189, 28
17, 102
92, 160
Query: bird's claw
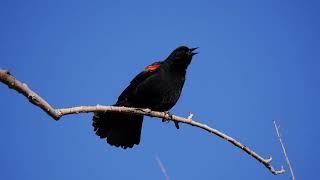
167, 113
165, 120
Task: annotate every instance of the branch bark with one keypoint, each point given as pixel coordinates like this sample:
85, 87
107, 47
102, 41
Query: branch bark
284, 150
56, 114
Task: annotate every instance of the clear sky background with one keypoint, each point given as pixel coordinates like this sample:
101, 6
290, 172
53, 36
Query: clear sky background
258, 61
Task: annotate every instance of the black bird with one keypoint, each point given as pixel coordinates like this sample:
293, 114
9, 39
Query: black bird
157, 87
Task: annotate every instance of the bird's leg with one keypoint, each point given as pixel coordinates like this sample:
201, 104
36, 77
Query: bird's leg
170, 118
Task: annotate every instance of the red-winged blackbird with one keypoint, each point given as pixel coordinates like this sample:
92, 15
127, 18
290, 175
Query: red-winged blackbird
157, 87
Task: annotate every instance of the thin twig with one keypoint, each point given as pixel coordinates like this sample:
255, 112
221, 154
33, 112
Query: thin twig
284, 149
56, 114
162, 168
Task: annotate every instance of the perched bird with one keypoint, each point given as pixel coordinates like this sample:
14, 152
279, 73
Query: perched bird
157, 87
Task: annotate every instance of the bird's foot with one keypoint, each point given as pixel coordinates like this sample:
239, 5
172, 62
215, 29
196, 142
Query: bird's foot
167, 113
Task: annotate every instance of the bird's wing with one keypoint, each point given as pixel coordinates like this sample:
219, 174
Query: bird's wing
147, 72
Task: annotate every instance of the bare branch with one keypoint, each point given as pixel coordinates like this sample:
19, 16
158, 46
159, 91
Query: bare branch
56, 114
162, 168
22, 88
190, 116
284, 150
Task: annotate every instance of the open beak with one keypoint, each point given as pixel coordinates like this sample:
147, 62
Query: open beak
193, 53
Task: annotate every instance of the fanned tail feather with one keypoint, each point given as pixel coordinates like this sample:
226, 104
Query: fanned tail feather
120, 130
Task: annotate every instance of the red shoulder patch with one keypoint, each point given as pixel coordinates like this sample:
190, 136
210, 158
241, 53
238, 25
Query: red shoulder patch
152, 67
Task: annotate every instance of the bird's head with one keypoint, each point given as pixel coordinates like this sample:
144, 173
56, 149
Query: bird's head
182, 56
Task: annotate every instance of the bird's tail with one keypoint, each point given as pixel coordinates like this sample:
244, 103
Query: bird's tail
120, 130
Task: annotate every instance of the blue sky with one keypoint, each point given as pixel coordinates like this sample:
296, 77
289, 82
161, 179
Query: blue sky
258, 61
